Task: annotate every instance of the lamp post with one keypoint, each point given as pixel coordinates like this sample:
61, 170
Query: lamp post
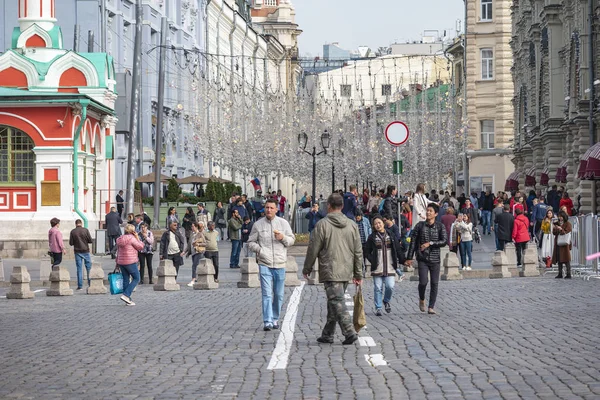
341, 145
302, 142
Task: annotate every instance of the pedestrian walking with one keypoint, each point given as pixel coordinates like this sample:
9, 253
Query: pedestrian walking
547, 242
80, 239
120, 203
172, 217
420, 203
146, 254
55, 242
220, 221
465, 227
566, 202
336, 244
269, 239
128, 247
385, 255
189, 219
203, 215
246, 229
390, 202
498, 210
486, 206
113, 230
506, 223
364, 231
471, 211
350, 202
234, 225
426, 239
212, 247
538, 215
172, 246
562, 244
448, 220
196, 247
520, 234
313, 216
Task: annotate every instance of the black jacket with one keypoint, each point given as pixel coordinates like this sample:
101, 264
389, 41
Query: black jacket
424, 233
113, 222
390, 207
248, 227
505, 223
487, 202
372, 255
164, 243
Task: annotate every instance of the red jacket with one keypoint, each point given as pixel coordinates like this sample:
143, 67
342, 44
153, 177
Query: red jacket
521, 229
567, 203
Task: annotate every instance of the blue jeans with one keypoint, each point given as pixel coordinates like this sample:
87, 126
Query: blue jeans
466, 249
272, 287
378, 282
486, 221
79, 257
236, 248
130, 270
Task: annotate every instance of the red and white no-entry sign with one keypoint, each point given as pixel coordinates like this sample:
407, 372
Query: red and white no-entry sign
396, 133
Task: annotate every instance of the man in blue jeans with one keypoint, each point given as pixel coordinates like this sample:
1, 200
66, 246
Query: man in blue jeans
233, 231
80, 238
486, 205
269, 239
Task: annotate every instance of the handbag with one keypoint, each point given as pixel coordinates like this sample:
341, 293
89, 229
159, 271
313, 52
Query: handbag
476, 235
115, 280
359, 318
564, 239
199, 246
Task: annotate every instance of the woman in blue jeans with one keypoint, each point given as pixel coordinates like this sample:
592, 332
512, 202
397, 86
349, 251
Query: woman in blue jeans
128, 247
466, 242
383, 252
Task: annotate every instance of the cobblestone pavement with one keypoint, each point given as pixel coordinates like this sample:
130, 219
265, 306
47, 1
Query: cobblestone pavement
492, 339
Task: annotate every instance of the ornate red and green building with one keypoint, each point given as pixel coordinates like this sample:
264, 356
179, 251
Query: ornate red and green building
56, 133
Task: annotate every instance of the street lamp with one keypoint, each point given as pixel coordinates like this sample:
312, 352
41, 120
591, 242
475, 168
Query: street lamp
341, 145
302, 142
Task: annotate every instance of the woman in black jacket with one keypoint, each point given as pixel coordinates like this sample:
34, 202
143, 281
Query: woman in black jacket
383, 252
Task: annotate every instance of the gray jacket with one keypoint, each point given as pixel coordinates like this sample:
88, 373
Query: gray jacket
270, 251
335, 241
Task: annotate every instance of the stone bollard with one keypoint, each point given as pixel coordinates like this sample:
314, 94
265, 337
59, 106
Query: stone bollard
19, 284
249, 270
415, 272
165, 277
59, 282
291, 272
45, 269
96, 280
500, 266
205, 278
1, 270
451, 265
313, 278
530, 263
511, 254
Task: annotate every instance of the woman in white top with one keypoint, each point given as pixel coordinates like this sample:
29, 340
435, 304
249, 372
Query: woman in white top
420, 203
466, 242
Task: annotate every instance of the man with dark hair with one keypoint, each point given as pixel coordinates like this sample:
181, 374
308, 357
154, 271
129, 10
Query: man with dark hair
496, 212
335, 241
234, 225
505, 223
269, 239
172, 246
350, 202
426, 240
120, 203
113, 230
80, 238
55, 242
553, 198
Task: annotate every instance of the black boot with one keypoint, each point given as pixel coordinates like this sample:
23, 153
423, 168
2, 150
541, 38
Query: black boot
560, 275
568, 271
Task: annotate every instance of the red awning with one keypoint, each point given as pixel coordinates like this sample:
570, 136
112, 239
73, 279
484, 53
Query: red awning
592, 170
530, 177
583, 160
561, 172
545, 177
512, 182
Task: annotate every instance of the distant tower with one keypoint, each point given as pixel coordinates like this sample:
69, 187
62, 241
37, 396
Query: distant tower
37, 25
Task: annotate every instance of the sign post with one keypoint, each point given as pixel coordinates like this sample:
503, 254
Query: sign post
396, 133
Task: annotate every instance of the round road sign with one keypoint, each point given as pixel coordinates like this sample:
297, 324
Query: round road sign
396, 133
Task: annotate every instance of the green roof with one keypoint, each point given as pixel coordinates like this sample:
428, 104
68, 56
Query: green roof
433, 96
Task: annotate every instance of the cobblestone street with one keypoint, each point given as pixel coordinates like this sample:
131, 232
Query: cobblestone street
510, 338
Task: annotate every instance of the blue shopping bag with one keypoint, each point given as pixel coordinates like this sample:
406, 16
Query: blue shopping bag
115, 280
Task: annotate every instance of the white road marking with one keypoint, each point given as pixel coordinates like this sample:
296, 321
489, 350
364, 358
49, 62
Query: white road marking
366, 341
279, 359
35, 291
375, 359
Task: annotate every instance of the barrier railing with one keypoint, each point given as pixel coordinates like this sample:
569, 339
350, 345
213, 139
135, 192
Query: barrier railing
584, 239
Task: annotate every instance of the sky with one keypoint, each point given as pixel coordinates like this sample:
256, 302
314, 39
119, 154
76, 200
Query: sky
372, 23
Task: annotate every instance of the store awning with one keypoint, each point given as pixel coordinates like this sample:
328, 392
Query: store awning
545, 177
561, 172
512, 182
592, 169
583, 160
530, 177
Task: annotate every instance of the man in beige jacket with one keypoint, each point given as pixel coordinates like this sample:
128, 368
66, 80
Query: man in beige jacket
335, 241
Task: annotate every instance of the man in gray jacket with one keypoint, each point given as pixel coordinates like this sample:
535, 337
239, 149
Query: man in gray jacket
269, 239
335, 241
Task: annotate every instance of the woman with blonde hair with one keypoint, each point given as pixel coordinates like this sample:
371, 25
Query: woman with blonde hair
128, 247
196, 247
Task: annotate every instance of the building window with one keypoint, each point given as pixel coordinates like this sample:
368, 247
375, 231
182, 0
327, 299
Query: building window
271, 3
487, 134
487, 64
346, 90
386, 90
17, 160
486, 10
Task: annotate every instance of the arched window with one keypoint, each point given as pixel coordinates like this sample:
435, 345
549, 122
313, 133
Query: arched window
17, 160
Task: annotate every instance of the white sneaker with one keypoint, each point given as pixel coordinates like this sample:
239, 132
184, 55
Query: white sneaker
191, 284
126, 299
130, 304
469, 268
